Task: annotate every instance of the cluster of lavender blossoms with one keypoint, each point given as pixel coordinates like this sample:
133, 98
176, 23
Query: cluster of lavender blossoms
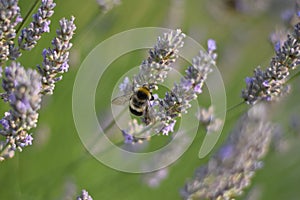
177, 101
153, 71
84, 196
56, 59
107, 5
230, 170
10, 17
155, 68
24, 88
269, 85
39, 25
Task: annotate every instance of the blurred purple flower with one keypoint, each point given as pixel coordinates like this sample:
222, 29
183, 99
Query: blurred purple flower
198, 88
226, 152
84, 196
211, 45
168, 128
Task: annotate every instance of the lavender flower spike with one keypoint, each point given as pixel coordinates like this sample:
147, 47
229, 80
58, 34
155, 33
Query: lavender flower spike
155, 68
270, 84
230, 170
22, 89
56, 59
165, 52
178, 100
40, 24
84, 196
9, 19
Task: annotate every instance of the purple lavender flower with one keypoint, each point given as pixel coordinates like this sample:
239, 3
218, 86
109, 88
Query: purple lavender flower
186, 84
53, 65
198, 88
249, 80
107, 5
270, 85
155, 68
5, 123
168, 128
84, 195
178, 100
31, 34
211, 45
45, 26
230, 170
278, 37
128, 138
26, 141
23, 90
226, 152
125, 86
9, 19
22, 87
64, 67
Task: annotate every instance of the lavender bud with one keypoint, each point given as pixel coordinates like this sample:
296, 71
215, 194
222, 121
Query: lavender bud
154, 69
55, 60
10, 17
178, 100
22, 89
270, 84
40, 24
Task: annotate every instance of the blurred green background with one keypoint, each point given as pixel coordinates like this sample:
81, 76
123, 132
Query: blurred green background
57, 166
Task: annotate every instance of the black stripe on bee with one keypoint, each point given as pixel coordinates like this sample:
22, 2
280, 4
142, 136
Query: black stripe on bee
137, 102
136, 112
138, 108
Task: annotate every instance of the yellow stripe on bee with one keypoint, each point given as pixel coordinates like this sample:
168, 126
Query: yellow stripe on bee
146, 91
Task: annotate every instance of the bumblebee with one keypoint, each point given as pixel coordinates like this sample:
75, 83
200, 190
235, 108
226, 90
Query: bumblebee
139, 102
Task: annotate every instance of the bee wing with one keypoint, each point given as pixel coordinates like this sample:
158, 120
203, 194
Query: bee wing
121, 99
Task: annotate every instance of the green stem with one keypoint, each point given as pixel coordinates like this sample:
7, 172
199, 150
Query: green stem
234, 106
33, 7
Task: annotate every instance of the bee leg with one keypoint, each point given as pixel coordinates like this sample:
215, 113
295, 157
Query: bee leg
152, 97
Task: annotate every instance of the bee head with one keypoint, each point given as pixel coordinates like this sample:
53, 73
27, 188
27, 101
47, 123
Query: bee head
150, 86
143, 93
